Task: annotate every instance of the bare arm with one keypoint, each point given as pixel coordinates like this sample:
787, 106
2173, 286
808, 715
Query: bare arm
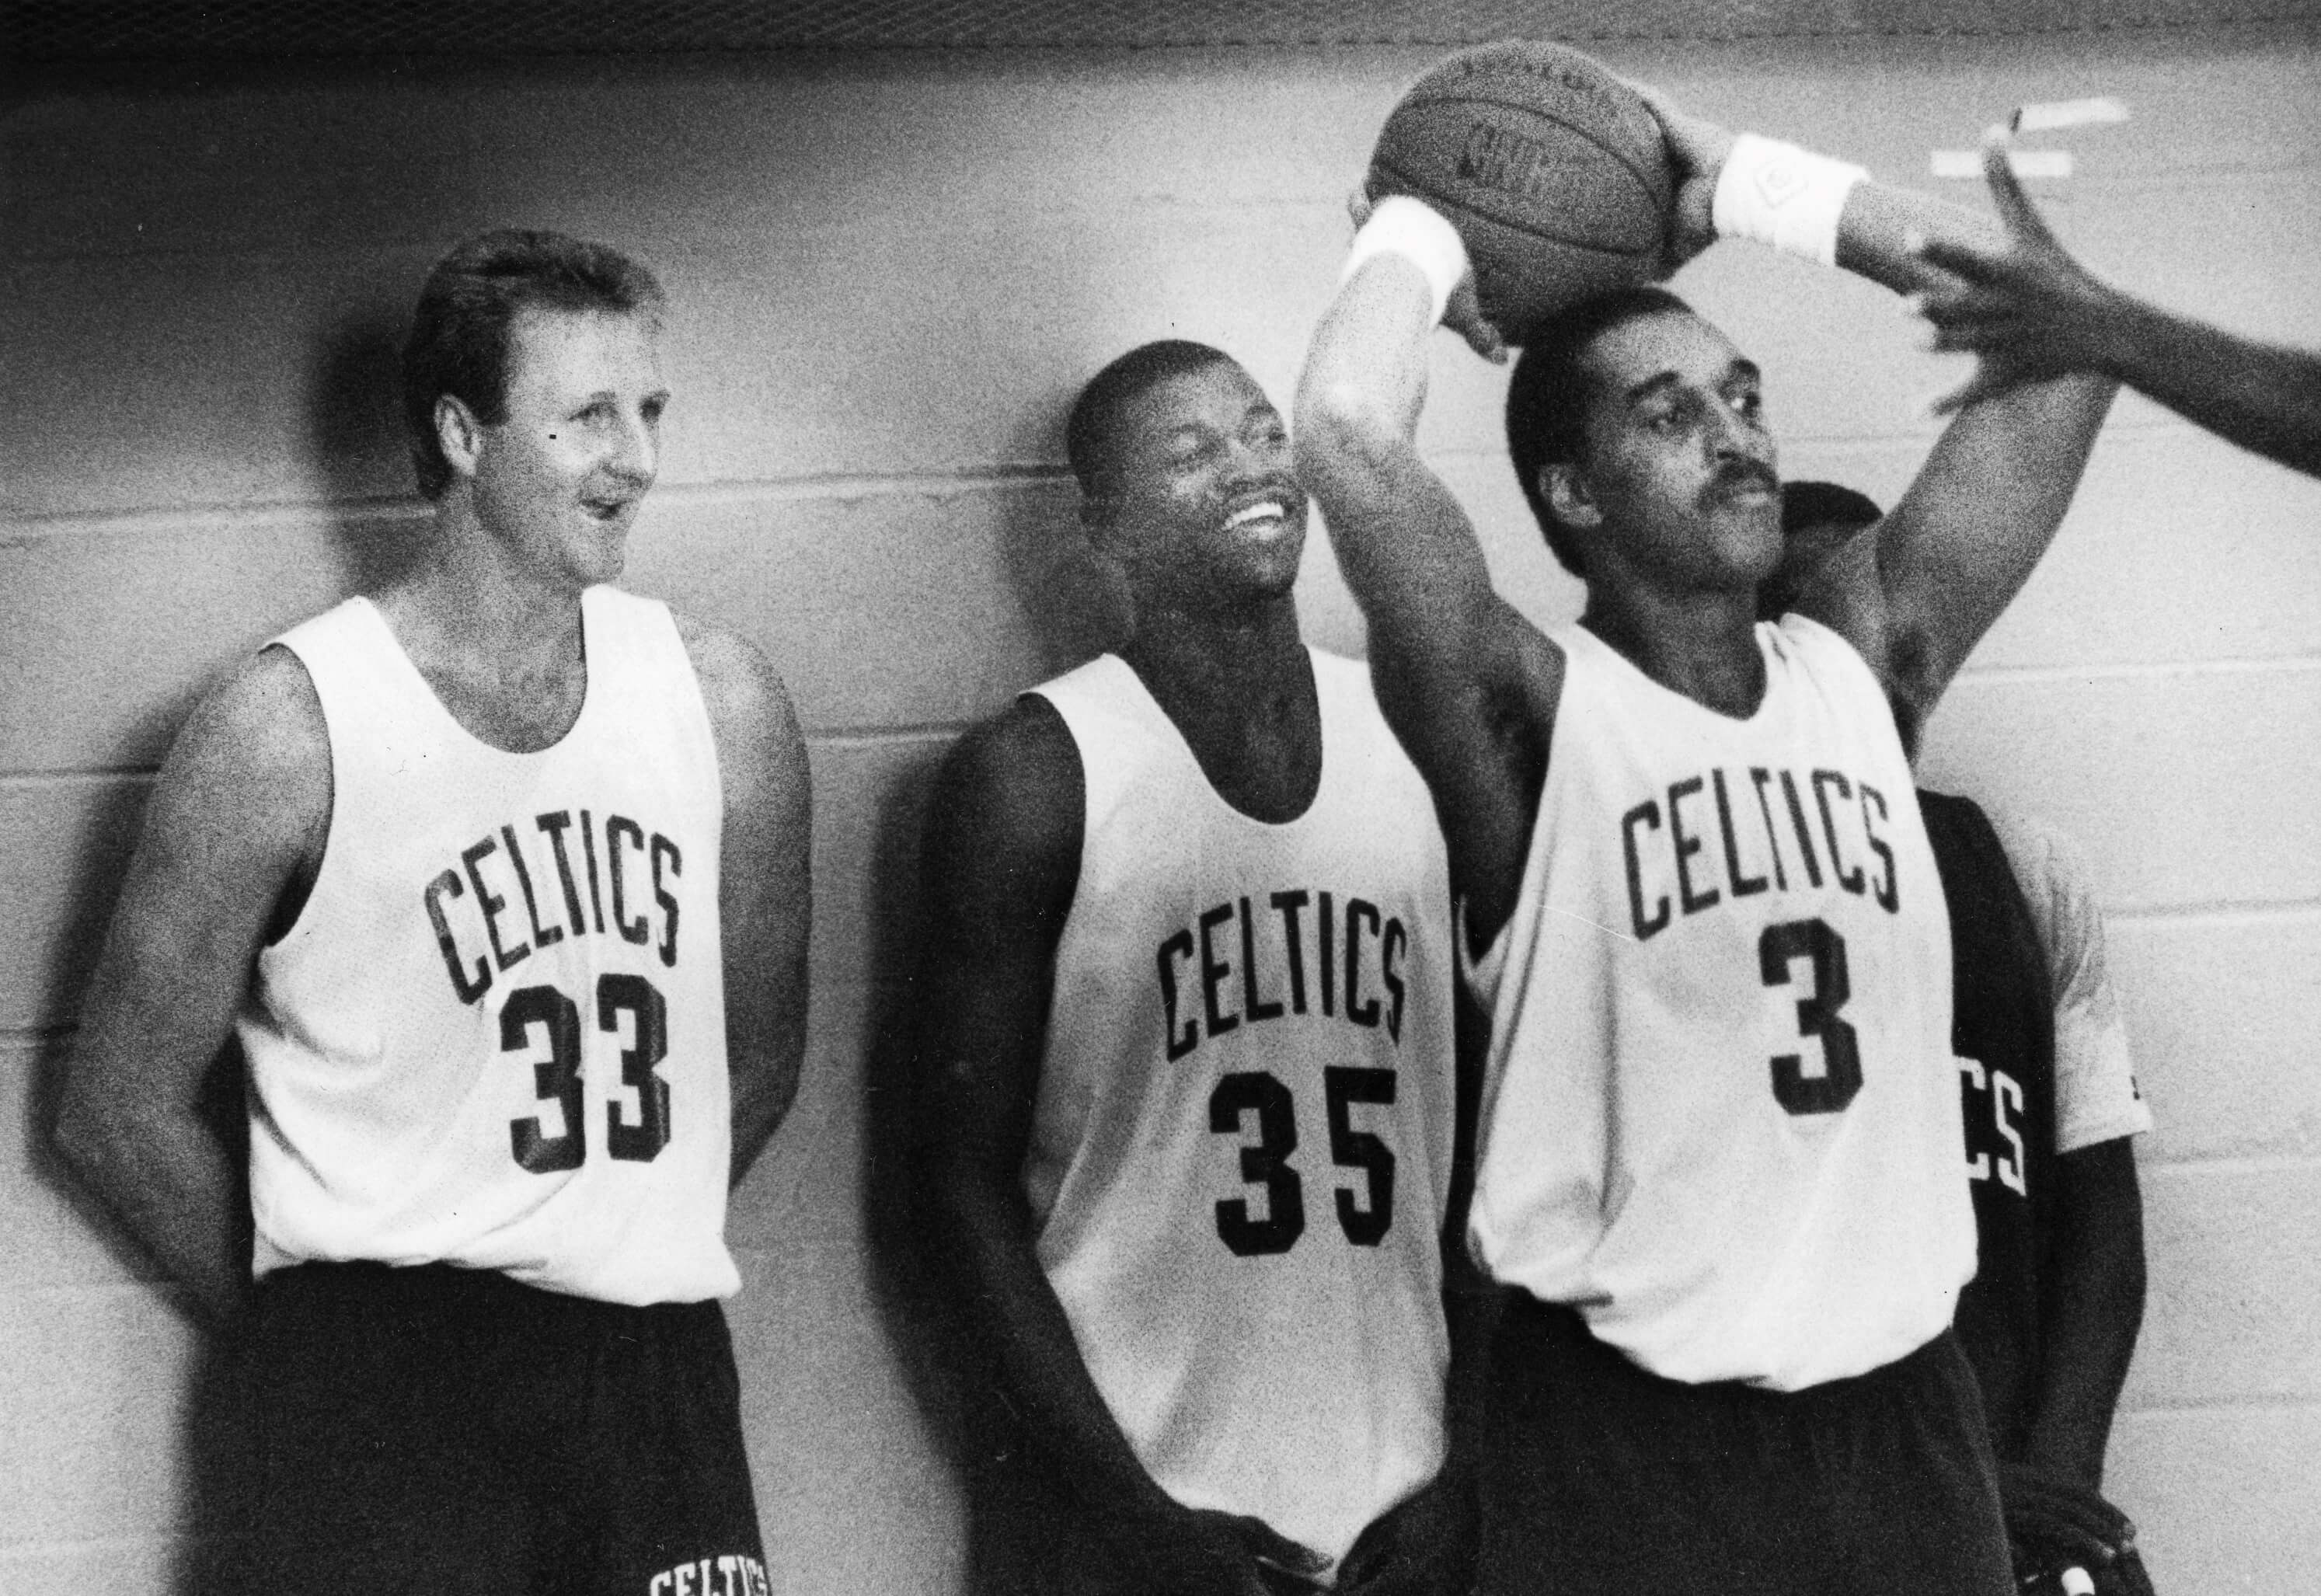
2031, 310
1002, 862
765, 891
2093, 1309
1919, 593
1469, 686
238, 819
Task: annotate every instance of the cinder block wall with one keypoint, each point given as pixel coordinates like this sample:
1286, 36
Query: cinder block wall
889, 276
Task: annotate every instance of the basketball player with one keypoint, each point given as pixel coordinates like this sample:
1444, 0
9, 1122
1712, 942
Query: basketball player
500, 877
2031, 311
2049, 1321
1719, 1156
1186, 1065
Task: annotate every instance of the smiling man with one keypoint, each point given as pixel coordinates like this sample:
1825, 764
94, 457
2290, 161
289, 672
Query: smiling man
1184, 1063
500, 876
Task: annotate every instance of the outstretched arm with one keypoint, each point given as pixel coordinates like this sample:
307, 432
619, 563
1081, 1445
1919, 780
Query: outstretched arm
1002, 862
2031, 311
765, 892
236, 823
1469, 686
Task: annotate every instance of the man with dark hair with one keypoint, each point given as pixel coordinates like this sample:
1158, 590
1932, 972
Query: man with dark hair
499, 878
2050, 1100
1184, 1058
1719, 1156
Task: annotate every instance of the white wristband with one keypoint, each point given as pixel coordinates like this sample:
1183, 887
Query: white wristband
1781, 195
1413, 230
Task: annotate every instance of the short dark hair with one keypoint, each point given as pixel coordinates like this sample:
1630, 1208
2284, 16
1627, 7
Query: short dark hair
1548, 397
1095, 413
458, 343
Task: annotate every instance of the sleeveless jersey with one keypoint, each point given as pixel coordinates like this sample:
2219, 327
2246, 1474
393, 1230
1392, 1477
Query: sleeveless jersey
2004, 1036
496, 1036
1243, 1135
1720, 1114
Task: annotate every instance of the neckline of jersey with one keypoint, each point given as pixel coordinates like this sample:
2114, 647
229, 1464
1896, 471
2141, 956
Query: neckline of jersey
1209, 788
1754, 720
417, 678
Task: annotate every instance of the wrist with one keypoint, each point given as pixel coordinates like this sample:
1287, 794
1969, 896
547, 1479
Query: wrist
1783, 196
1415, 231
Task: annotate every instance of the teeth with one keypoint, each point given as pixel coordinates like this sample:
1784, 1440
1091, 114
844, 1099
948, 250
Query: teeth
1267, 511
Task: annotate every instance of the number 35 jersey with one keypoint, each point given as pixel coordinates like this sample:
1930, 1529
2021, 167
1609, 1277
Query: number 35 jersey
1243, 1133
1720, 1113
495, 1034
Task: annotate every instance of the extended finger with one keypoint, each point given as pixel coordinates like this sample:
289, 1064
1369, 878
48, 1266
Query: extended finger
1961, 261
2014, 206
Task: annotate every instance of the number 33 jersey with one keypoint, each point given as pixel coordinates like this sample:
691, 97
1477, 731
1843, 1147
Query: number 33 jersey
1243, 1133
495, 1034
1720, 1113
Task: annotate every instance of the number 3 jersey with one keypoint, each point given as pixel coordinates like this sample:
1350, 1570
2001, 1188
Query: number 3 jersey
1243, 1133
495, 1034
1720, 1112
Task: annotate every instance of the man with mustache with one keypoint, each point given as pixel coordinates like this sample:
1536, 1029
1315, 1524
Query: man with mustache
1719, 1160
1184, 1058
500, 879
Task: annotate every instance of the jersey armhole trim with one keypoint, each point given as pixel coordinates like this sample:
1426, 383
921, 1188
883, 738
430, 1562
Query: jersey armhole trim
299, 923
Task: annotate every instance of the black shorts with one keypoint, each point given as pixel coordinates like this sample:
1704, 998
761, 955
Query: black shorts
1599, 1477
451, 1431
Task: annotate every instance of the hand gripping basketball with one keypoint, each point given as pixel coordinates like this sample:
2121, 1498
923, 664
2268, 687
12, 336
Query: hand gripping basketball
1556, 173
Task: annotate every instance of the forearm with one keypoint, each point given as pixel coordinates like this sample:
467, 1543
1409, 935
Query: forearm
2264, 396
173, 1186
981, 1234
2091, 1309
766, 1057
762, 1095
1407, 551
1880, 226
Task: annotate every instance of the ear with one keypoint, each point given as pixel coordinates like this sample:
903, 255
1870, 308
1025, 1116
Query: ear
458, 433
1564, 487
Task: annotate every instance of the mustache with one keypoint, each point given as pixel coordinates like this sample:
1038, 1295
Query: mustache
1744, 472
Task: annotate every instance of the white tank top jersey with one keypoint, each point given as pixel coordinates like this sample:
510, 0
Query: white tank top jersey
495, 1036
1243, 1137
1721, 1115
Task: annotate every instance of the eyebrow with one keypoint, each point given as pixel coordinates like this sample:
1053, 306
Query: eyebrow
1741, 366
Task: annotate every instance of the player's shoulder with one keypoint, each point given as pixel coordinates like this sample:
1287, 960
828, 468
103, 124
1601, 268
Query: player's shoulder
737, 679
1022, 761
257, 747
1010, 794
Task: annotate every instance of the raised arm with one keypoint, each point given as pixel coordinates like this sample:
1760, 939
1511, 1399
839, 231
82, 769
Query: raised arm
1002, 862
2031, 310
1917, 594
765, 892
232, 833
1469, 686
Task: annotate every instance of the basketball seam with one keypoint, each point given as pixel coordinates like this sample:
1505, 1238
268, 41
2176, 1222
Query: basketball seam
1569, 127
1391, 170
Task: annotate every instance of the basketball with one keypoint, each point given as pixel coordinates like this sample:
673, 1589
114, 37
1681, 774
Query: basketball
1552, 168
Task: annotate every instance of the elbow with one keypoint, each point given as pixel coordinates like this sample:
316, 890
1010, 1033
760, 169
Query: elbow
1334, 413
